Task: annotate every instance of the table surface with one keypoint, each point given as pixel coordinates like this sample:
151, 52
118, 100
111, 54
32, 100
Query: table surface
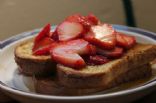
151, 98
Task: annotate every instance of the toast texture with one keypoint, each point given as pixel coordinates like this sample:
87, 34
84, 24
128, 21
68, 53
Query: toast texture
105, 75
29, 64
52, 86
89, 79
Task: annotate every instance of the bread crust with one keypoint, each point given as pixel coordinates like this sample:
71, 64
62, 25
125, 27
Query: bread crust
29, 64
51, 86
105, 75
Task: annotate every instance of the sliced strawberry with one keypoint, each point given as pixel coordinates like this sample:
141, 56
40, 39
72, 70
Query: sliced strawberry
42, 46
97, 60
43, 33
125, 41
44, 42
102, 35
74, 18
69, 30
79, 19
92, 19
42, 51
69, 59
50, 34
87, 21
68, 53
82, 47
45, 50
114, 53
55, 35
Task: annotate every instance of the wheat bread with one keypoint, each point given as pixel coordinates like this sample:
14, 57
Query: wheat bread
29, 64
106, 74
52, 86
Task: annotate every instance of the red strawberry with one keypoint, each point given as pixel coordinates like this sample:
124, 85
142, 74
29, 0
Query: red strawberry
69, 30
74, 18
43, 33
50, 34
42, 51
114, 53
79, 19
42, 46
68, 53
97, 60
102, 35
87, 21
55, 35
92, 19
125, 41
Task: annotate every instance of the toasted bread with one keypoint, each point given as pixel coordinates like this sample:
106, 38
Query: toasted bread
88, 77
51, 85
30, 64
105, 75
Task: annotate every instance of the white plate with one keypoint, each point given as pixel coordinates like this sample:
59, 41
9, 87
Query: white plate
18, 86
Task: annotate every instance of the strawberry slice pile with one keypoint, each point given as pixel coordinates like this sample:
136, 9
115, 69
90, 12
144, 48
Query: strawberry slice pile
68, 53
80, 25
82, 36
43, 46
43, 41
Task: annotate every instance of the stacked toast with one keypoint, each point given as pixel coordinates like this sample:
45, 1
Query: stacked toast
65, 63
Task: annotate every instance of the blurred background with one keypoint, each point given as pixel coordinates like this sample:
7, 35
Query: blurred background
18, 16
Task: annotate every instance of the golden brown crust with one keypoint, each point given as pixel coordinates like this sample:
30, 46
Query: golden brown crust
30, 67
28, 64
51, 85
102, 75
24, 50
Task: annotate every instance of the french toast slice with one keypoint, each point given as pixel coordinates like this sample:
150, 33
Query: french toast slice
51, 85
30, 64
105, 75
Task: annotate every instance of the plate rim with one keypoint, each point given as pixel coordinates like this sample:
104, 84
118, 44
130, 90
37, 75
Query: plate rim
12, 39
